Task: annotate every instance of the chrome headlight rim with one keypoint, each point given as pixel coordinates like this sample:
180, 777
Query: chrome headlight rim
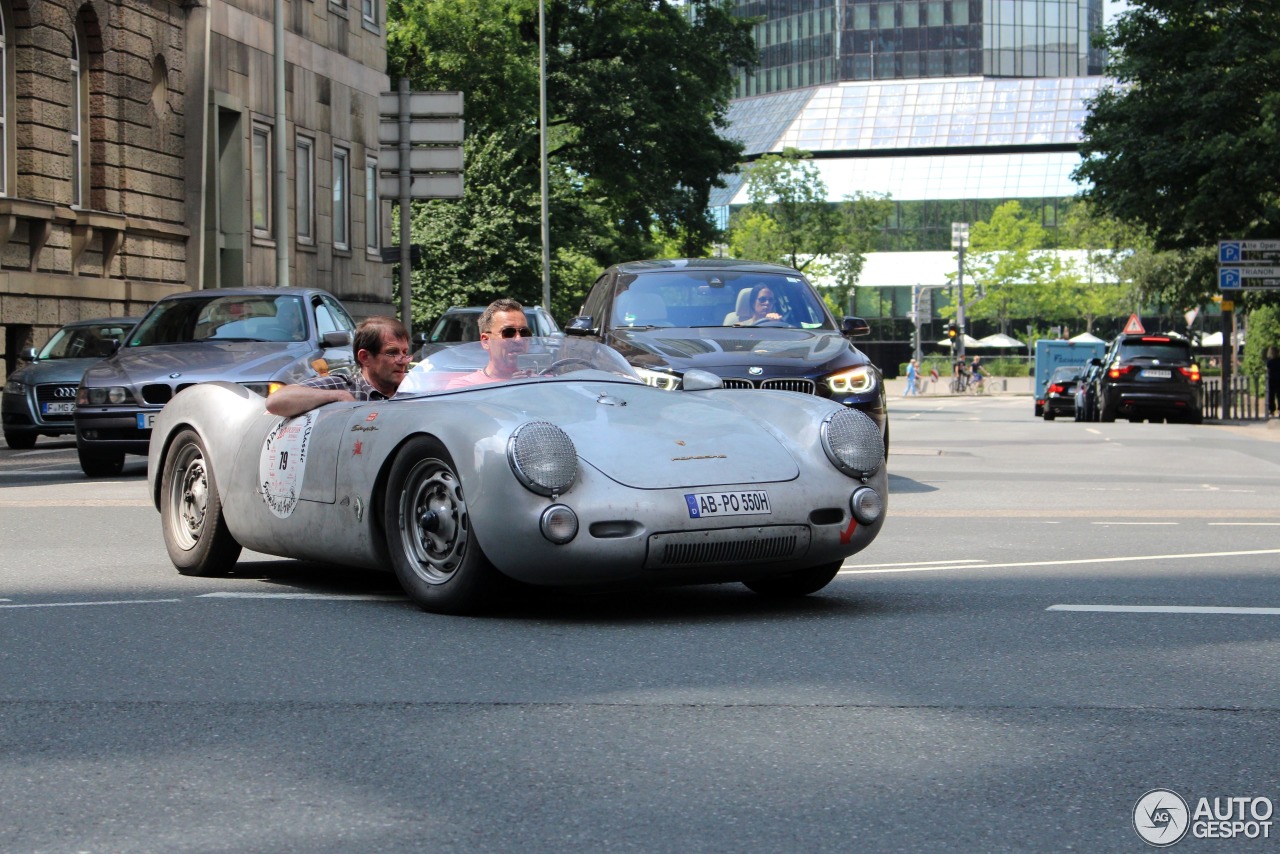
866, 505
543, 458
552, 524
853, 443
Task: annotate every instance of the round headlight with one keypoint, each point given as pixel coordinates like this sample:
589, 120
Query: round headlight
853, 442
543, 457
867, 505
116, 394
559, 524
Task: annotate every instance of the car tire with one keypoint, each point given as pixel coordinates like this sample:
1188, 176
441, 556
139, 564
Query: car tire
20, 441
195, 531
105, 464
795, 584
1106, 412
1049, 414
1196, 417
433, 548
1039, 410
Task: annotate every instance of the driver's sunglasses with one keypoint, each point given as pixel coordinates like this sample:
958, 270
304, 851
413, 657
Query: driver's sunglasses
513, 331
768, 300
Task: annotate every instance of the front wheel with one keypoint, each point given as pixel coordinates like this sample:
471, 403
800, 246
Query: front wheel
796, 584
20, 441
433, 548
195, 532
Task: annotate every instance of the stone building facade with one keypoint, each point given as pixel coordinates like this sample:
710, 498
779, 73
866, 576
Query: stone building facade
138, 155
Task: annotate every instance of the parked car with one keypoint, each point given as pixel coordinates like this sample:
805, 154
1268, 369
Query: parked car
40, 396
1149, 376
1060, 393
1085, 397
668, 317
460, 324
257, 337
577, 475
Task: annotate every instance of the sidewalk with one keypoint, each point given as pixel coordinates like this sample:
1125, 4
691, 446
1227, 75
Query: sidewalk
995, 385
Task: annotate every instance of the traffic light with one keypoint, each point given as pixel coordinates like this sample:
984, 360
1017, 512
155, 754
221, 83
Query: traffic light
953, 331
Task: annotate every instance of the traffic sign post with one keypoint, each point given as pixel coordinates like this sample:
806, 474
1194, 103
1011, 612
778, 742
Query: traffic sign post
406, 172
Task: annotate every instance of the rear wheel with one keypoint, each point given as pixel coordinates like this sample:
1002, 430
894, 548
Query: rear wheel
433, 548
101, 463
195, 532
1049, 414
1107, 412
796, 584
20, 441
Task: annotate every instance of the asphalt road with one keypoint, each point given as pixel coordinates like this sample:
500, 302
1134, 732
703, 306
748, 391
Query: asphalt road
1056, 619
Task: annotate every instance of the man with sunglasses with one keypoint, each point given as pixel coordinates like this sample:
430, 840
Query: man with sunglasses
505, 333
382, 350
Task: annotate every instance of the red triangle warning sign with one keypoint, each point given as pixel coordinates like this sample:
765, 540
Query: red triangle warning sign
1134, 326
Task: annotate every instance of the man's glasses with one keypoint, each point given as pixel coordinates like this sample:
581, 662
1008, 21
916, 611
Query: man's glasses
513, 331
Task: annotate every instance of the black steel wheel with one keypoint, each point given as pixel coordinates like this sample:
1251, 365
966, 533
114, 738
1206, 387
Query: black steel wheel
795, 584
195, 532
432, 546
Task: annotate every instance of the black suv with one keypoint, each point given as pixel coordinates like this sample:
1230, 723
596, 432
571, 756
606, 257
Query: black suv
1149, 376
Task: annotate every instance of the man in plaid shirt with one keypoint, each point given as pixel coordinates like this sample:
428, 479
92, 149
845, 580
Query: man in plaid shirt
382, 350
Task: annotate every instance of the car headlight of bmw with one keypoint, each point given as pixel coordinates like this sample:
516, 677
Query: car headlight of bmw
659, 379
99, 395
853, 443
264, 389
543, 458
859, 380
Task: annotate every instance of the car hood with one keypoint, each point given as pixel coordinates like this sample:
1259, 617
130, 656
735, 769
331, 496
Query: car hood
202, 361
53, 371
733, 350
650, 439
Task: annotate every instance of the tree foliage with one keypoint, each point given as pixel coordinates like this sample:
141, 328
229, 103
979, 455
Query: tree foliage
637, 94
789, 220
1187, 141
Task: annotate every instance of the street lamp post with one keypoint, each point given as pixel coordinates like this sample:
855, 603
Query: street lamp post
959, 240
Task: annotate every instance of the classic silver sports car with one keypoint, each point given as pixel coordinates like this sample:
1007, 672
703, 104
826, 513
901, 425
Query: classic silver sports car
578, 474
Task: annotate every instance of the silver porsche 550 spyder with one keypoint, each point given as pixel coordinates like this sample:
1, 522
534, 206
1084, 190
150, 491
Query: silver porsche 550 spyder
577, 474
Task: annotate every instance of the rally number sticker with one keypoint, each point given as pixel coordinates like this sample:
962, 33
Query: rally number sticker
282, 463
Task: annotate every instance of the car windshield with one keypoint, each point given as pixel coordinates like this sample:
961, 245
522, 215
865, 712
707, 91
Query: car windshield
700, 298
527, 360
252, 317
1066, 373
457, 326
84, 342
1166, 352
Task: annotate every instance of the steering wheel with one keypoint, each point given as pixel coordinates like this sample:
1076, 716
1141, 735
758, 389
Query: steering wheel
557, 367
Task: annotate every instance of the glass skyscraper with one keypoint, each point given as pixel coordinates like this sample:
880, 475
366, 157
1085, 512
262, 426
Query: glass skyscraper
805, 44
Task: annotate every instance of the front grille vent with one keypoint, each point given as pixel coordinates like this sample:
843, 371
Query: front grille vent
727, 546
801, 385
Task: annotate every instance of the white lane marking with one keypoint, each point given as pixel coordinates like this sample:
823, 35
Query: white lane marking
79, 604
1109, 524
925, 562
1165, 609
1075, 562
1245, 524
337, 597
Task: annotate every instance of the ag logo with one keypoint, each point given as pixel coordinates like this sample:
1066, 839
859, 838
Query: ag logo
1160, 817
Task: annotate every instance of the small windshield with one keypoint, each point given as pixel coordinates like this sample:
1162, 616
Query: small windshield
252, 317
1066, 373
96, 341
700, 298
516, 360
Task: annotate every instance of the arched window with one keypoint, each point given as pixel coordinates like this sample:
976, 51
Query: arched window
76, 124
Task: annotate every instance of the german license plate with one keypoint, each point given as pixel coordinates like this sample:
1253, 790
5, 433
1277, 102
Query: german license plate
146, 420
1156, 374
745, 503
60, 408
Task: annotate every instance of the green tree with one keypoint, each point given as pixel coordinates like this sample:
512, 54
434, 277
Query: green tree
1187, 141
1006, 266
637, 94
791, 221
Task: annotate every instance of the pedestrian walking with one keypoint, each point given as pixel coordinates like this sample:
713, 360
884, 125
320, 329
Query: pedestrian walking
913, 378
1273, 382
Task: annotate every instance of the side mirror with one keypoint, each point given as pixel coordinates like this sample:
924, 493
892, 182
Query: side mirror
335, 339
697, 380
419, 338
581, 325
853, 327
113, 346
28, 354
